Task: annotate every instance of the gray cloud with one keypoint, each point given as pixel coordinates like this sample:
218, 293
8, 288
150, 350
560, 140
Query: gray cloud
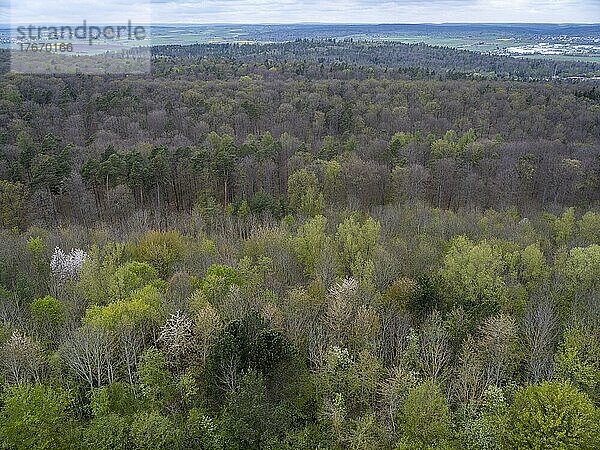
290, 11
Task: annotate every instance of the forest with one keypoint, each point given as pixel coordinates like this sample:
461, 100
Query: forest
309, 245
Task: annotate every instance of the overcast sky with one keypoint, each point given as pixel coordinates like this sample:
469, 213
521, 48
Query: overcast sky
293, 11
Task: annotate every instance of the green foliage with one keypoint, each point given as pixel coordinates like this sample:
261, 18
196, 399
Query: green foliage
304, 196
397, 144
453, 146
35, 245
472, 276
243, 345
371, 268
248, 416
97, 274
48, 315
201, 431
589, 227
129, 277
47, 311
578, 360
552, 415
311, 242
107, 432
143, 307
153, 431
217, 281
154, 378
534, 268
582, 269
485, 429
357, 242
161, 250
37, 417
424, 419
13, 210
402, 294
117, 398
563, 227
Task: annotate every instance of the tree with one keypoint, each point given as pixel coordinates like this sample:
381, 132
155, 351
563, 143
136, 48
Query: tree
89, 353
154, 378
472, 277
153, 431
552, 415
563, 227
66, 266
129, 321
424, 419
540, 333
108, 432
207, 324
129, 277
304, 195
578, 360
589, 227
433, 353
484, 429
534, 268
22, 359
248, 417
37, 417
161, 250
243, 345
357, 242
13, 209
224, 155
499, 348
311, 241
201, 432
48, 315
176, 338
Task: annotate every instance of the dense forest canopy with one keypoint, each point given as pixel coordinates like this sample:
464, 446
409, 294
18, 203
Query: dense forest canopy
385, 55
316, 244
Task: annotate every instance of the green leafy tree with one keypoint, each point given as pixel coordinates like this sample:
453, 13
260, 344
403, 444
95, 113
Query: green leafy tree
424, 419
108, 432
129, 277
248, 416
161, 250
357, 241
37, 417
472, 277
534, 268
578, 360
552, 415
13, 200
48, 315
202, 431
311, 242
240, 346
218, 280
154, 378
564, 226
304, 194
116, 398
589, 227
153, 431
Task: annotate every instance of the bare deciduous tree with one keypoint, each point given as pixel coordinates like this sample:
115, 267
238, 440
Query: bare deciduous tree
22, 359
540, 334
88, 352
434, 353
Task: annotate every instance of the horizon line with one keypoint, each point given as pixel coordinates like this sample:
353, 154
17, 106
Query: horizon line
327, 23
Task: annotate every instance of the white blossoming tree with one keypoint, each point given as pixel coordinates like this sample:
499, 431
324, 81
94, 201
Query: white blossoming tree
176, 337
66, 266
